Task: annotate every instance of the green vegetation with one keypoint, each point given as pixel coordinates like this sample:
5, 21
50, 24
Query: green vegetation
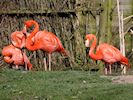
60, 85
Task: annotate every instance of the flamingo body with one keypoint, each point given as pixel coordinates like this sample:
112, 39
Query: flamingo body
48, 42
110, 54
43, 40
105, 52
14, 55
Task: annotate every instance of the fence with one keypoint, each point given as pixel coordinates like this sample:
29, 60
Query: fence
70, 20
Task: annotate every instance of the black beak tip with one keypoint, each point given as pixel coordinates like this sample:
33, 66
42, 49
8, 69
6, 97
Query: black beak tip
87, 50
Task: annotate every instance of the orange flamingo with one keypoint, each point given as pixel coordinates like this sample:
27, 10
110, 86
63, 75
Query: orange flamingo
16, 56
105, 52
18, 38
43, 40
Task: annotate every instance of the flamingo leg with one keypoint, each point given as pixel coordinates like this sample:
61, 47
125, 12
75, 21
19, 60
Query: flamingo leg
26, 67
110, 70
45, 64
123, 69
106, 70
49, 56
16, 67
25, 64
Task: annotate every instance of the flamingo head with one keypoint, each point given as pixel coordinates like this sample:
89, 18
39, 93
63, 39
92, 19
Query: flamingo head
18, 39
87, 41
89, 37
29, 23
25, 31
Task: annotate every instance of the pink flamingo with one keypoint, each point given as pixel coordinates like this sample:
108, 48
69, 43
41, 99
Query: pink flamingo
16, 56
105, 52
43, 40
18, 38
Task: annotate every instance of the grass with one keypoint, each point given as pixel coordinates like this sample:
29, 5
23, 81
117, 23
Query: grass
60, 85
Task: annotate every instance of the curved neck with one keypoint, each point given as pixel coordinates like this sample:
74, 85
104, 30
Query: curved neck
36, 29
91, 53
29, 42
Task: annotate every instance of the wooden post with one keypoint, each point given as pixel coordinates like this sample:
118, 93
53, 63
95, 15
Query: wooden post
119, 23
103, 23
123, 42
109, 21
97, 21
24, 60
121, 34
79, 33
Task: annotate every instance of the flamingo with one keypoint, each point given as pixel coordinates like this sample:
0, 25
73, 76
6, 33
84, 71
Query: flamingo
105, 52
18, 38
43, 40
16, 56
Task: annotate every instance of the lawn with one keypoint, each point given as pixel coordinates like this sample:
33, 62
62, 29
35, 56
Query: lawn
60, 85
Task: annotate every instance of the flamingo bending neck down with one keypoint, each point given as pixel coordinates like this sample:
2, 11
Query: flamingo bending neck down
105, 52
16, 56
18, 39
43, 40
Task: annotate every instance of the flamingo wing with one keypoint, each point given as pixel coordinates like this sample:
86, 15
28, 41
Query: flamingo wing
46, 41
17, 57
110, 53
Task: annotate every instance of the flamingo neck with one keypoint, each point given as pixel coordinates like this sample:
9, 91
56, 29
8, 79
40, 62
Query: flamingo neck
36, 29
93, 46
29, 42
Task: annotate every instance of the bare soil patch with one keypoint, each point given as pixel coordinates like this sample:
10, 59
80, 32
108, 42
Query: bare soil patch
122, 79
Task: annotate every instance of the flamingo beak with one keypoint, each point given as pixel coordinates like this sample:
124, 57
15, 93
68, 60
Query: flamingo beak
87, 43
87, 50
24, 30
87, 46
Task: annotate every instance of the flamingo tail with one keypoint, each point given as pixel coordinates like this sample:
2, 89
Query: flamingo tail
125, 61
64, 52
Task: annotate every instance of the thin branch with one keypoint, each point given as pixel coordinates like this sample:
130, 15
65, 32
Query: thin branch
127, 17
129, 28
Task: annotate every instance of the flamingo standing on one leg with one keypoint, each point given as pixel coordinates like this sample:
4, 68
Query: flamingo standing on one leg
43, 40
105, 52
16, 56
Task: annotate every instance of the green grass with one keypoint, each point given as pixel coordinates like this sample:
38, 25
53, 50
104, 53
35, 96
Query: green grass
60, 85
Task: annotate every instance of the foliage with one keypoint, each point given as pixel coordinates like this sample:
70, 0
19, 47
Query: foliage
60, 85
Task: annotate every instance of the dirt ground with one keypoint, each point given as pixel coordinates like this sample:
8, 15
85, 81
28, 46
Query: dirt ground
122, 79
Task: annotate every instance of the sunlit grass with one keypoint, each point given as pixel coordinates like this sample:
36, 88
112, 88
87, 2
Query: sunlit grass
60, 85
